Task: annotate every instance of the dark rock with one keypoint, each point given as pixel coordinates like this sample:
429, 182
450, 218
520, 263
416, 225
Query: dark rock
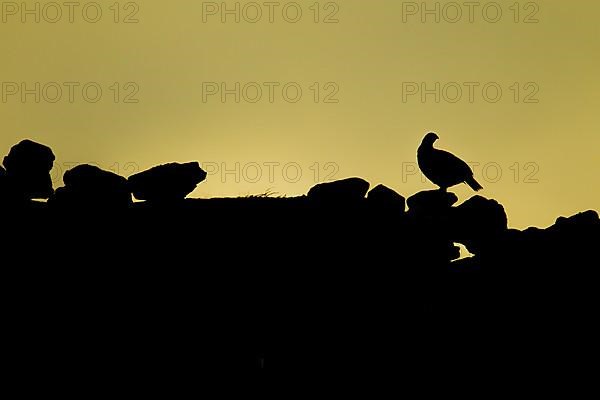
517, 243
346, 190
2, 184
576, 236
465, 265
487, 215
429, 219
28, 166
453, 252
169, 182
385, 199
478, 222
571, 241
580, 223
431, 202
90, 186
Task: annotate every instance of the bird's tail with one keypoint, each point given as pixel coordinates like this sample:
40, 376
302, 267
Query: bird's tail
473, 184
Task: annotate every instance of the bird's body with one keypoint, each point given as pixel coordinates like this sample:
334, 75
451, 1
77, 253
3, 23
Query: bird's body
444, 168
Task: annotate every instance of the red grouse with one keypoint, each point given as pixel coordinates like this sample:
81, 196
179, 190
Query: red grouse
443, 168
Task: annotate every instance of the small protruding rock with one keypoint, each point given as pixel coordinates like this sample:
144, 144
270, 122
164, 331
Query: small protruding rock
342, 191
432, 202
580, 232
478, 222
165, 183
385, 199
90, 186
28, 166
578, 223
482, 216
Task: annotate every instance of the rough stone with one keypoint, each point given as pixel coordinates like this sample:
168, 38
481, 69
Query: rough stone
169, 182
431, 202
346, 190
478, 222
28, 166
88, 185
386, 199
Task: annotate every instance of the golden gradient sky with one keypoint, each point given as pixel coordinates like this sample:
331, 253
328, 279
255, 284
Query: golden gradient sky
372, 53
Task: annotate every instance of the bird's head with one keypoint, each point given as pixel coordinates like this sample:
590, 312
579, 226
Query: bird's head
430, 138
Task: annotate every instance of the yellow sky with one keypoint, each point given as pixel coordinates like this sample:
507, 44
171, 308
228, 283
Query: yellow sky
365, 118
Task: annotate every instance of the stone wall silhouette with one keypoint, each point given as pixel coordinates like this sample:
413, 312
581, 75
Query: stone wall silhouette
344, 278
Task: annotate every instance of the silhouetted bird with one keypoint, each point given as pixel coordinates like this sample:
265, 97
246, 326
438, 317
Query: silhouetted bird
443, 168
